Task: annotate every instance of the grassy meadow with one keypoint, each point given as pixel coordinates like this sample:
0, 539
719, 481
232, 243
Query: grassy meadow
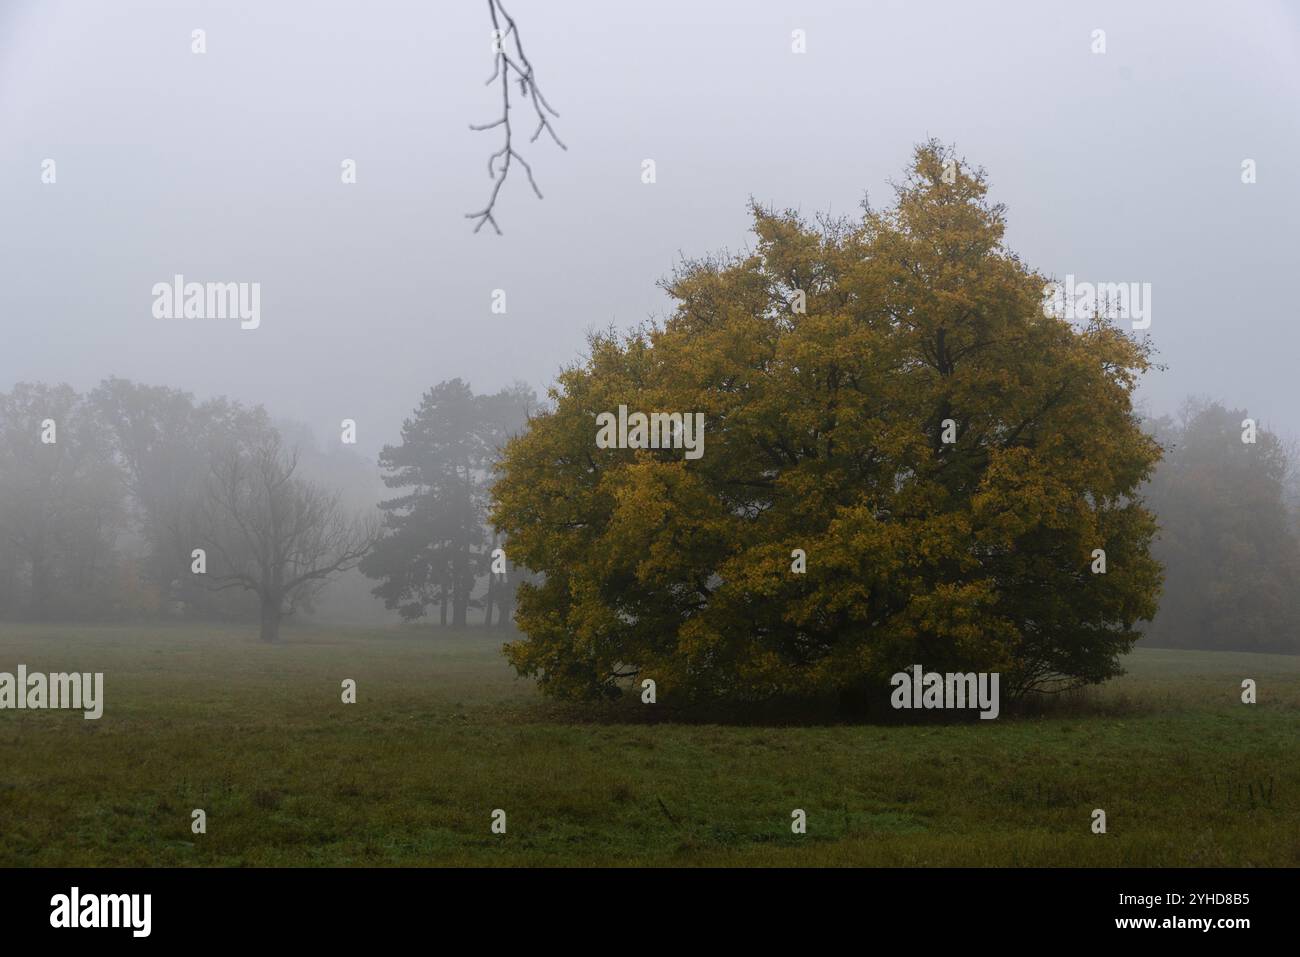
443, 733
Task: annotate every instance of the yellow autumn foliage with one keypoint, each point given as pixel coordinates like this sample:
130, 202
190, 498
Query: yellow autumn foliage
825, 426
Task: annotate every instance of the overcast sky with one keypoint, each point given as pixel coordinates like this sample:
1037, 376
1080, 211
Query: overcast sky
225, 166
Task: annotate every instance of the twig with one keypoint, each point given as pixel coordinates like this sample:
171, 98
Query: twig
667, 813
503, 64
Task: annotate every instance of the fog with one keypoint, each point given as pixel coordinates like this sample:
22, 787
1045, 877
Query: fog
855, 432
226, 167
130, 160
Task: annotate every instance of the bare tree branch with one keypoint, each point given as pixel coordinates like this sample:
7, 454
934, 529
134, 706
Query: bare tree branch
503, 65
273, 533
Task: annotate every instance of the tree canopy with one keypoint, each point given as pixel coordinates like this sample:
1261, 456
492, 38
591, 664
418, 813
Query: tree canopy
435, 545
1228, 540
885, 395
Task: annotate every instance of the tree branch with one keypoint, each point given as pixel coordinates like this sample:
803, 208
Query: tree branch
503, 65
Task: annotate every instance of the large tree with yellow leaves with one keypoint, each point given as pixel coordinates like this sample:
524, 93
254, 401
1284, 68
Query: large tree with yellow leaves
883, 397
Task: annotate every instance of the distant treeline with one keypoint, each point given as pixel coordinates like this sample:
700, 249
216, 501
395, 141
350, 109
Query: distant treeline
99, 518
105, 497
1225, 497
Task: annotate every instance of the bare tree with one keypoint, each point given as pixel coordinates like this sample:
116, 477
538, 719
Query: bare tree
272, 533
504, 64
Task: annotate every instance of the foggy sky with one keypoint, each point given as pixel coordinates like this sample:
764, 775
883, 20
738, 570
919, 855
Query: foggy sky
225, 166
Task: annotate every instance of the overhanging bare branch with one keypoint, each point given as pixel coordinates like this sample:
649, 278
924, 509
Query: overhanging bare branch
503, 65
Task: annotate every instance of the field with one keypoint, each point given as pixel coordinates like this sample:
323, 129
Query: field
443, 733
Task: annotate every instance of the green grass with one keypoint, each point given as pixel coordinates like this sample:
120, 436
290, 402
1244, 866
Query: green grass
443, 733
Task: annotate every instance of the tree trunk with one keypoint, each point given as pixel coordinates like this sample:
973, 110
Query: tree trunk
271, 620
41, 588
867, 700
462, 583
489, 600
